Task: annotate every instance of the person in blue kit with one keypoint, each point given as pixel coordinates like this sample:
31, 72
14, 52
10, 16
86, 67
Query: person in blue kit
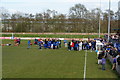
76, 46
57, 44
49, 44
87, 45
93, 44
45, 44
65, 43
54, 44
29, 43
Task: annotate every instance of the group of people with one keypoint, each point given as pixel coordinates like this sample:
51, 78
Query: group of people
114, 53
108, 50
111, 49
46, 43
80, 45
16, 43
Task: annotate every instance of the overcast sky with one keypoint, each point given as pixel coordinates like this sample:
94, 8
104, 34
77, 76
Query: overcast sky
62, 6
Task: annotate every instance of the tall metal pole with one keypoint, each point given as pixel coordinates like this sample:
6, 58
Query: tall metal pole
1, 48
99, 19
109, 22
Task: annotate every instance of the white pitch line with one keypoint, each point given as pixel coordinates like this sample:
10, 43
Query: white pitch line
85, 65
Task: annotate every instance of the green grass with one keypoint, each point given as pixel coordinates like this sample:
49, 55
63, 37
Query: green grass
19, 62
51, 35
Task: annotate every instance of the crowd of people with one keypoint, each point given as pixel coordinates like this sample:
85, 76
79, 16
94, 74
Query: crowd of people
114, 52
79, 45
46, 43
108, 49
112, 49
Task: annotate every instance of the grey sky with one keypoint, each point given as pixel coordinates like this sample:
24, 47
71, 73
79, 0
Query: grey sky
62, 6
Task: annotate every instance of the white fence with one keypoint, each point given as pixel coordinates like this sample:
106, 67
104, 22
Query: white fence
32, 38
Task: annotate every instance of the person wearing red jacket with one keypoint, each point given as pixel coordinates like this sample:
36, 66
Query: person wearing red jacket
72, 45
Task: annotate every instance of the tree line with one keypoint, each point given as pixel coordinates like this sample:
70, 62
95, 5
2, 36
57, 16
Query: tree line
79, 20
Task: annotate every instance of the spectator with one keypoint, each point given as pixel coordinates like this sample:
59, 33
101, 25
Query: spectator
69, 48
76, 46
99, 53
114, 52
114, 63
29, 43
65, 43
40, 44
72, 45
80, 46
103, 62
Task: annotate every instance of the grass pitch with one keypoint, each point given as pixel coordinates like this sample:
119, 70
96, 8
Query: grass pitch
20, 62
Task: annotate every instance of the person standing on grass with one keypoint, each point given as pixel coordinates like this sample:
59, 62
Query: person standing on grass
76, 46
69, 48
40, 44
59, 43
49, 44
65, 43
54, 44
80, 46
90, 45
87, 45
29, 43
72, 45
103, 62
45, 43
114, 63
99, 55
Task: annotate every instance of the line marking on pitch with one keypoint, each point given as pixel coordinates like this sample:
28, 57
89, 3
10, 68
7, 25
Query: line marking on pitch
85, 65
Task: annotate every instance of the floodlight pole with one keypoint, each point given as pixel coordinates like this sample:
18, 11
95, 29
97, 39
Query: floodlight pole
109, 21
99, 19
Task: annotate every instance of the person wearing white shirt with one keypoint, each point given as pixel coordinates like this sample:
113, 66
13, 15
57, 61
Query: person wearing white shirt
80, 46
